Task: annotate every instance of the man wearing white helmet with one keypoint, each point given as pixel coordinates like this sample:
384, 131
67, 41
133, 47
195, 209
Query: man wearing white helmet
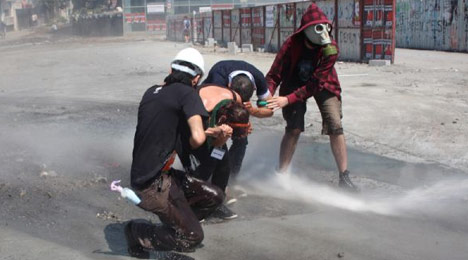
170, 115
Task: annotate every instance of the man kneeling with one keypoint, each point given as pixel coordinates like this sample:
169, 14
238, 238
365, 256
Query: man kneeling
168, 114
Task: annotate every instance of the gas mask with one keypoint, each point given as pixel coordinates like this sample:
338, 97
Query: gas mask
318, 33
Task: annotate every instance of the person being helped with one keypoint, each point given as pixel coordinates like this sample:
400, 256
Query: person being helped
304, 67
166, 115
243, 78
212, 158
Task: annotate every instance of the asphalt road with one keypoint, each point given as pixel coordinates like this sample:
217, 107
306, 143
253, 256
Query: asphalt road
66, 130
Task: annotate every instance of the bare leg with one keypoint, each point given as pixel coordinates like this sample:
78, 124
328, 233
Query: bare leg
288, 146
338, 146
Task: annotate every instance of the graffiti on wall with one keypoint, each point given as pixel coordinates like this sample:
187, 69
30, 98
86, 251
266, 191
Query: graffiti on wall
287, 14
328, 8
346, 13
300, 10
432, 24
349, 41
269, 26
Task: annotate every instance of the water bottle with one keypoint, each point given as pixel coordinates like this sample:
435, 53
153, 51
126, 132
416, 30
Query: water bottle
125, 193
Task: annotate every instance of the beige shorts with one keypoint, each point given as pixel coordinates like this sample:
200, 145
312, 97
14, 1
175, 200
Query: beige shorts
330, 109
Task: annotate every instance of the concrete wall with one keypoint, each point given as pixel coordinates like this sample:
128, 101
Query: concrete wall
349, 34
364, 29
432, 24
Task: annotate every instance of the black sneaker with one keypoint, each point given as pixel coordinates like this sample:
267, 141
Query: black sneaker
224, 212
134, 248
346, 183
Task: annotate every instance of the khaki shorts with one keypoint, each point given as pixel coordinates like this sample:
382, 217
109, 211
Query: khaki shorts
330, 110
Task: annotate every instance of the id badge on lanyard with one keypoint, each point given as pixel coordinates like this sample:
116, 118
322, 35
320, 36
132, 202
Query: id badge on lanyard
218, 153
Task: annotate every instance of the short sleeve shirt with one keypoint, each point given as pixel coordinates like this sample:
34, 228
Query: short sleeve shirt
162, 120
219, 75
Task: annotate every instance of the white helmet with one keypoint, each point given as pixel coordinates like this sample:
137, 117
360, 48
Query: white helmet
191, 56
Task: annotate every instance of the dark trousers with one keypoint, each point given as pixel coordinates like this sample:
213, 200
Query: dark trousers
217, 170
180, 201
236, 155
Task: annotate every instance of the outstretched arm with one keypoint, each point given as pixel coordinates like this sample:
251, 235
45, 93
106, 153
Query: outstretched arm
259, 112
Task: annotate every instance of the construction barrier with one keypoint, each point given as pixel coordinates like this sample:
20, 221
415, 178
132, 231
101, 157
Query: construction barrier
433, 25
98, 25
363, 29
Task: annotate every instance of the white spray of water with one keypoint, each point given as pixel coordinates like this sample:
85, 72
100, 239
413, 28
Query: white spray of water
424, 199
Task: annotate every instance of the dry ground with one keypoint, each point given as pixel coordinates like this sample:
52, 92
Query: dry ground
68, 118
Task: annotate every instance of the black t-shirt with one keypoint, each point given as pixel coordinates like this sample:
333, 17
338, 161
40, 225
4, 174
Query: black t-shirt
305, 67
162, 120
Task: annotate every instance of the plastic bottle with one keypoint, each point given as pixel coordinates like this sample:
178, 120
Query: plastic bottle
125, 192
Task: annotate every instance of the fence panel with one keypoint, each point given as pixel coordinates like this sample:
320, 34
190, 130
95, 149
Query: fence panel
300, 10
246, 25
134, 19
207, 26
258, 27
349, 29
180, 30
431, 24
235, 26
271, 28
218, 25
155, 17
328, 7
364, 29
378, 29
226, 27
287, 20
198, 29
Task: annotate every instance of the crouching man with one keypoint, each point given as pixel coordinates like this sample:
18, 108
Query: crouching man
166, 115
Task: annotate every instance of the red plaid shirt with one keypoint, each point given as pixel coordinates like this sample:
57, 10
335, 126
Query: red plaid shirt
283, 70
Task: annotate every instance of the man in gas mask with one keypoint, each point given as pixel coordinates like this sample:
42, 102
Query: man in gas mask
304, 67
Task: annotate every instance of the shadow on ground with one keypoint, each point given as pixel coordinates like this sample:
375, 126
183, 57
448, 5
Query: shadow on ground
115, 238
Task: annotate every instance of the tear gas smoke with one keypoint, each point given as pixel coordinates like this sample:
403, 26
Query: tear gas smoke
64, 150
435, 198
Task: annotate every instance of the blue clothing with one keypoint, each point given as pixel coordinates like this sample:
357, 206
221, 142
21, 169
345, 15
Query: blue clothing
219, 75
